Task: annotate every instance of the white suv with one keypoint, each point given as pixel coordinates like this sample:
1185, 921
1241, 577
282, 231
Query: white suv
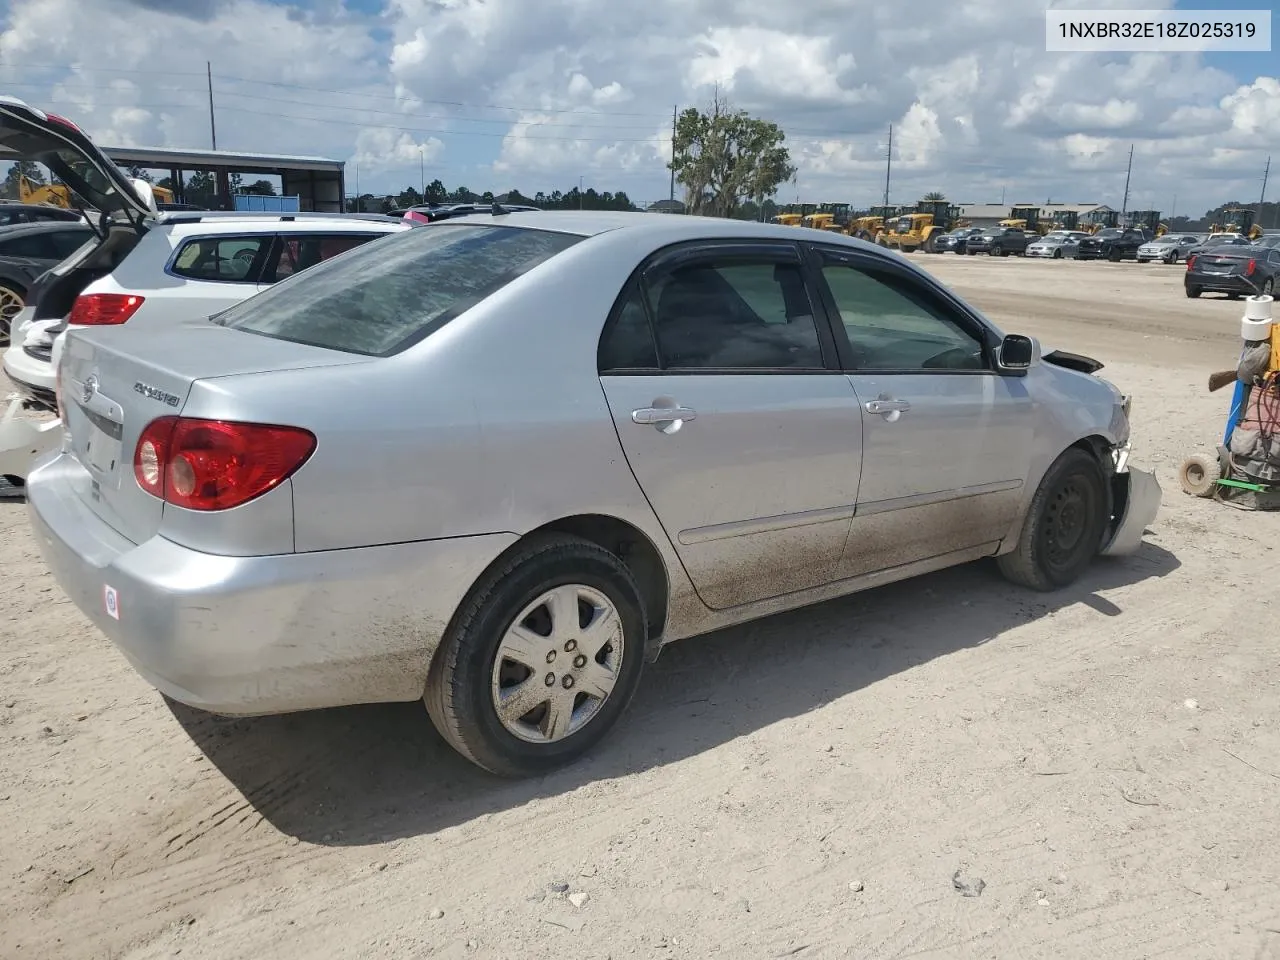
185, 265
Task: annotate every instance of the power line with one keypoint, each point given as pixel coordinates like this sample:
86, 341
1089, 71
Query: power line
327, 91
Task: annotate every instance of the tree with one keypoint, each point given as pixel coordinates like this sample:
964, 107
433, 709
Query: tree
139, 174
436, 192
263, 188
934, 196
723, 157
409, 197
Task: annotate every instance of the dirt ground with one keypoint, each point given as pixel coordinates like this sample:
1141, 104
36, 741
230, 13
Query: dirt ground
1105, 760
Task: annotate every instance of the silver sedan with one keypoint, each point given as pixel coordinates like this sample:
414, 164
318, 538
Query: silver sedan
1058, 244
1170, 247
499, 461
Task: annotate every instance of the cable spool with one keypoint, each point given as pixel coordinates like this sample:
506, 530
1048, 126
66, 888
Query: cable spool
1256, 323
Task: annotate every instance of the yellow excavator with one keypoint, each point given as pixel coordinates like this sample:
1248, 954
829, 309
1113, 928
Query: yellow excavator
59, 195
920, 230
1238, 220
1027, 219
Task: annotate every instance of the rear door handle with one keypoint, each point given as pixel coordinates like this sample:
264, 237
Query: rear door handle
662, 414
887, 406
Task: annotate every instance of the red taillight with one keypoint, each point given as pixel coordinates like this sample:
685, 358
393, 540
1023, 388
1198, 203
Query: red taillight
64, 121
1191, 262
104, 309
216, 464
1253, 265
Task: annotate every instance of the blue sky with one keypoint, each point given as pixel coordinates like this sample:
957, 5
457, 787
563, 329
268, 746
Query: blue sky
487, 95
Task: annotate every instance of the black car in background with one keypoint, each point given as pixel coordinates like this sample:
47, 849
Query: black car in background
1113, 243
1234, 270
26, 251
957, 240
12, 213
998, 242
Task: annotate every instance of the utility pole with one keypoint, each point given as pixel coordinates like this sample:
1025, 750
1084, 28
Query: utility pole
358, 205
422, 174
213, 130
1174, 212
674, 109
888, 166
1124, 204
1263, 198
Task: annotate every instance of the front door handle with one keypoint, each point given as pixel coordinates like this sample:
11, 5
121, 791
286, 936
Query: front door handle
887, 406
660, 415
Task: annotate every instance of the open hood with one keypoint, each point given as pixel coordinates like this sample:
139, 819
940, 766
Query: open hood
27, 133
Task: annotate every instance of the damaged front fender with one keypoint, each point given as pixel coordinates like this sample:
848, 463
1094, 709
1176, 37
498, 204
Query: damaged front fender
1136, 497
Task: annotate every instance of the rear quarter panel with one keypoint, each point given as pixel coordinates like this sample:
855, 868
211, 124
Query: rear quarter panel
495, 423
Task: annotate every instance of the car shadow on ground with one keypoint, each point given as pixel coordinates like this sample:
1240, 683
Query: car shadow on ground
370, 774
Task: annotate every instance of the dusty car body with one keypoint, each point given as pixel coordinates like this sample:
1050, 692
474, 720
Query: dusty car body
593, 434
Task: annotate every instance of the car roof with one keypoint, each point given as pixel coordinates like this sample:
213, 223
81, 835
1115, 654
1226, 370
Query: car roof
655, 228
218, 221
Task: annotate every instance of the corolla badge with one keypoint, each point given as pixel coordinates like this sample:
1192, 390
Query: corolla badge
155, 393
89, 388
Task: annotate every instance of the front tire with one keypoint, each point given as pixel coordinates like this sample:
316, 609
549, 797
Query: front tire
1063, 529
541, 659
1057, 254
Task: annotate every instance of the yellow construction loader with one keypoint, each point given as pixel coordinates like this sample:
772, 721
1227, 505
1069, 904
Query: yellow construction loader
59, 195
1238, 220
920, 230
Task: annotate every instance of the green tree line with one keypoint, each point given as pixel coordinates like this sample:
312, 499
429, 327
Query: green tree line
437, 192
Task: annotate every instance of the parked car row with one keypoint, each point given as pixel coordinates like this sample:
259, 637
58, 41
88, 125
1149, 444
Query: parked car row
1112, 243
498, 461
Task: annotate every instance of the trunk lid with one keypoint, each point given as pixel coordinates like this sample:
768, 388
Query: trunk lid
115, 382
1223, 266
28, 133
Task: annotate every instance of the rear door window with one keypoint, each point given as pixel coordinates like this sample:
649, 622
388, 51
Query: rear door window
223, 259
35, 246
295, 252
67, 242
385, 297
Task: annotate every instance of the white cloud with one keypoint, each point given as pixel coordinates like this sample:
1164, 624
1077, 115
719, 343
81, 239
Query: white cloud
493, 97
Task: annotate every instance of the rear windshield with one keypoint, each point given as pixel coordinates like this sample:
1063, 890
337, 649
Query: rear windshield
387, 295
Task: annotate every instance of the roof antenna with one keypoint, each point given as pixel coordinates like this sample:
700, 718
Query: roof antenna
498, 209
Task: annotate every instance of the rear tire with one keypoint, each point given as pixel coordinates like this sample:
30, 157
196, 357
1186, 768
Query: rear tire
1063, 529
12, 299
1267, 286
1193, 293
473, 667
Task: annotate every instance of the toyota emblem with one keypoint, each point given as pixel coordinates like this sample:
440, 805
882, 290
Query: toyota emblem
90, 388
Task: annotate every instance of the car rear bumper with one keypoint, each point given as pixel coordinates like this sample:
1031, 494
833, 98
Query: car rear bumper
25, 370
256, 635
1230, 283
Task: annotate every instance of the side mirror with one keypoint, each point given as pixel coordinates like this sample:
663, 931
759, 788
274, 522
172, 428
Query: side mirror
1017, 354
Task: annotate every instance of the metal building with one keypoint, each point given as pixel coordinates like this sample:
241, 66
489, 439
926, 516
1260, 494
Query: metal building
319, 183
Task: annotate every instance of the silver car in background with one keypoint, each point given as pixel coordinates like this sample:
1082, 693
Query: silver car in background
1171, 247
499, 461
1057, 244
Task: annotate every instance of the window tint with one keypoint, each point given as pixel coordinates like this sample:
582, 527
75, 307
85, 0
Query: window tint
67, 242
385, 297
229, 259
34, 245
893, 323
736, 316
295, 252
627, 343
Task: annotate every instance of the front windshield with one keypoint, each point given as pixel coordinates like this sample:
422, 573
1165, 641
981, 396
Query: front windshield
1108, 233
903, 225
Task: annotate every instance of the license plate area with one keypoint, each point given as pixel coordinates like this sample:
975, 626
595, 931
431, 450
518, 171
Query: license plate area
102, 450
